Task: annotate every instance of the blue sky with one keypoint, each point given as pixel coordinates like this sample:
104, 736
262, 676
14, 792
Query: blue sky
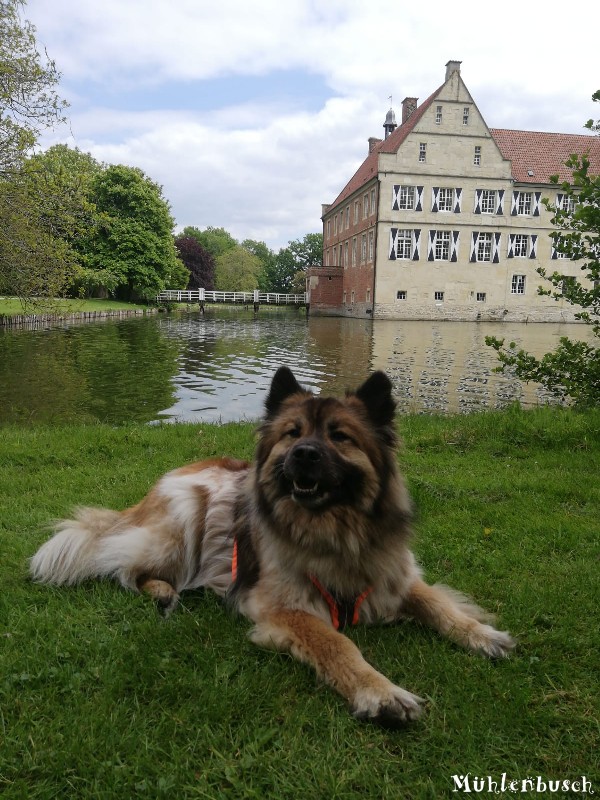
250, 115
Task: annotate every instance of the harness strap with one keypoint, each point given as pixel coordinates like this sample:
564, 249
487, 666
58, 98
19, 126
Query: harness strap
342, 611
234, 560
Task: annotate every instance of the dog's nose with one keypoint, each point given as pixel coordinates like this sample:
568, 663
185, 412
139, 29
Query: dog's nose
306, 454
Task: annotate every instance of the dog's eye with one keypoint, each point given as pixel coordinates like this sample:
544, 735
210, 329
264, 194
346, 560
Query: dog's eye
294, 432
337, 435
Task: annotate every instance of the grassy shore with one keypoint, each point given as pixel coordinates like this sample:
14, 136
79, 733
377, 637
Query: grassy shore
101, 698
12, 306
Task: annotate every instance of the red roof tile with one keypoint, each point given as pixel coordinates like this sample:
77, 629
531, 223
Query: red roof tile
544, 154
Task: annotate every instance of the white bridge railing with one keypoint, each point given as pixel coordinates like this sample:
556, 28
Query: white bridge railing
243, 298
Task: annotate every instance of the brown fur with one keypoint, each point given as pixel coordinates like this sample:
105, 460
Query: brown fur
320, 519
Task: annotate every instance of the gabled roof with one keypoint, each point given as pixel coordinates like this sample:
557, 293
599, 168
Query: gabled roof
544, 154
369, 168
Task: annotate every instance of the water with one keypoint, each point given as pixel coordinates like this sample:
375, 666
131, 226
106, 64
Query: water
217, 368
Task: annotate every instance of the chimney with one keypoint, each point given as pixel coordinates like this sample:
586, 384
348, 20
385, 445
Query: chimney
373, 142
452, 66
409, 104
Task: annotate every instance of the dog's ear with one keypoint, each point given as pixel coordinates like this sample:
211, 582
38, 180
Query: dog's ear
283, 385
376, 395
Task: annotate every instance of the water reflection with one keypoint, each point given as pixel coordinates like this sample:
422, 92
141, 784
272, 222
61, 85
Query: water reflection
218, 367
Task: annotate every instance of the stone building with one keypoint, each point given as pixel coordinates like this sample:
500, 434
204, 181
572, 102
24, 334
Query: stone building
444, 218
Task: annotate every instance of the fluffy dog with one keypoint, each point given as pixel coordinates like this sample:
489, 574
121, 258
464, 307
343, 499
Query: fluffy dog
310, 537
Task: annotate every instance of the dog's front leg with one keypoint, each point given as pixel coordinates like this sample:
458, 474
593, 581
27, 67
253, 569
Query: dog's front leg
454, 616
339, 662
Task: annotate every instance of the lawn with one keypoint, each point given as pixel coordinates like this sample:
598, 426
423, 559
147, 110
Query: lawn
12, 306
101, 698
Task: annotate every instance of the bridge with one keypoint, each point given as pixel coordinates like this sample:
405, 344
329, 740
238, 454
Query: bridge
255, 298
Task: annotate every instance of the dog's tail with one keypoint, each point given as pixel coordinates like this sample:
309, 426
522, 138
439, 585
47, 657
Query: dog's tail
80, 549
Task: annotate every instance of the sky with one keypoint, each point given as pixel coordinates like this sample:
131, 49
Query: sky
250, 115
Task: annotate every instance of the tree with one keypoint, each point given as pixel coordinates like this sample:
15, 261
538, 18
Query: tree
198, 261
573, 368
237, 270
288, 272
134, 241
28, 100
34, 259
216, 240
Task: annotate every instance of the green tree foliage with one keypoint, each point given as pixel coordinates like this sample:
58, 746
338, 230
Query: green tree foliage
28, 100
134, 242
215, 240
34, 258
237, 270
573, 369
198, 261
287, 272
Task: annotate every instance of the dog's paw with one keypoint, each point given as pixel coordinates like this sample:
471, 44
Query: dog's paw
490, 642
392, 707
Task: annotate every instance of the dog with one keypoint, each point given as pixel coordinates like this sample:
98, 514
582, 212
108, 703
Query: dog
312, 536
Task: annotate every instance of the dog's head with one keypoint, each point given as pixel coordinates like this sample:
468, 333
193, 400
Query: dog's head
320, 452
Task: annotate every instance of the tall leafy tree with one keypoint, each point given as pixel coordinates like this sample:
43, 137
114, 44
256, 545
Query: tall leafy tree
134, 241
288, 271
237, 270
573, 369
198, 261
34, 259
215, 240
29, 102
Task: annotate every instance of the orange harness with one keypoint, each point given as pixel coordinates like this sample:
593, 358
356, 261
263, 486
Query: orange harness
342, 611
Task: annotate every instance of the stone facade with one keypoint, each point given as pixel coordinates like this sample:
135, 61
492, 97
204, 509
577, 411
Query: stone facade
445, 220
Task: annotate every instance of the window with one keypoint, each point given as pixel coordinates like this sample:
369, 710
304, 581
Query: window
477, 156
438, 115
354, 252
346, 254
484, 247
340, 262
363, 247
356, 211
488, 201
445, 199
347, 217
344, 300
371, 245
404, 244
466, 115
565, 202
524, 203
439, 296
328, 228
406, 198
521, 245
441, 247
422, 152
352, 297
373, 201
481, 297
401, 294
368, 296
365, 206
341, 221
517, 285
334, 225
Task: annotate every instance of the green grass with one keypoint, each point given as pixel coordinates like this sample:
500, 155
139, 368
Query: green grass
12, 306
101, 698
